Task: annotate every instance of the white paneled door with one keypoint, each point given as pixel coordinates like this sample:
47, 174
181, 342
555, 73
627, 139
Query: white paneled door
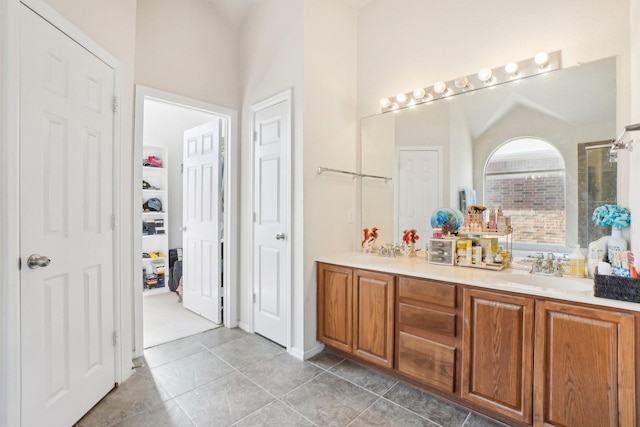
203, 220
66, 236
271, 222
418, 189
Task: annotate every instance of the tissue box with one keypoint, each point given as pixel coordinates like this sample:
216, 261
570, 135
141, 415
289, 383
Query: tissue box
618, 288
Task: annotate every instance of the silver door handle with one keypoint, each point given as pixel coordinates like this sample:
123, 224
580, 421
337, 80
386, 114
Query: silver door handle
280, 236
35, 261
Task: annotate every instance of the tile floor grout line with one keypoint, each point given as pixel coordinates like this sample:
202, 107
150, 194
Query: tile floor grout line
363, 411
412, 411
265, 356
322, 367
358, 385
179, 358
466, 419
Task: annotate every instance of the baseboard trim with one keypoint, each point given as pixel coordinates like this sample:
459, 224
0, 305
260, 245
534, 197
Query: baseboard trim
309, 353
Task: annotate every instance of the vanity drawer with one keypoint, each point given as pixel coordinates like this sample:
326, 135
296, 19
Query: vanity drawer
428, 320
427, 361
427, 291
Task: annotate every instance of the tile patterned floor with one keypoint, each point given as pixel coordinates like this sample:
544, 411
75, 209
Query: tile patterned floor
227, 377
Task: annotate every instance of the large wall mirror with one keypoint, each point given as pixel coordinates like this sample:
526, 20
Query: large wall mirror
545, 136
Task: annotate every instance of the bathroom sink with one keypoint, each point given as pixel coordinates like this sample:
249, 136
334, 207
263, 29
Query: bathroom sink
553, 283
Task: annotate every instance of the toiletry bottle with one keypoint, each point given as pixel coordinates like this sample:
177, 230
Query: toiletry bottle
469, 251
488, 256
477, 255
592, 262
576, 262
493, 225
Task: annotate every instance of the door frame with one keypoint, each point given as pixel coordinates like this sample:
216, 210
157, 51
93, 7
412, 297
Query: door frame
286, 97
10, 362
230, 251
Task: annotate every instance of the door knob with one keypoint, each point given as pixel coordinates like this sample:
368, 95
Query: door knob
280, 236
35, 261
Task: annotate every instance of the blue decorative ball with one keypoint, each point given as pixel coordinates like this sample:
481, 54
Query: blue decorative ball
449, 219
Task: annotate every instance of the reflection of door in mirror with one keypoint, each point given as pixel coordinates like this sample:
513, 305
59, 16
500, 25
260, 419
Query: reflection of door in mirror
597, 178
418, 188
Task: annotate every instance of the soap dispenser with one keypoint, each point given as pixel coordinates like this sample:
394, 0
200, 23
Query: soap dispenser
576, 262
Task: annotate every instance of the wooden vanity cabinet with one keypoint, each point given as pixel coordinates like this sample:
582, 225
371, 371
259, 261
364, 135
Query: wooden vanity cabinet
528, 360
584, 366
497, 352
426, 332
356, 312
335, 306
373, 312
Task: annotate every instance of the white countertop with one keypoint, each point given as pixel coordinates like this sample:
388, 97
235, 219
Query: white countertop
510, 279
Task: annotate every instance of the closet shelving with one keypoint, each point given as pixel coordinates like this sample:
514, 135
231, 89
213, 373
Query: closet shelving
154, 227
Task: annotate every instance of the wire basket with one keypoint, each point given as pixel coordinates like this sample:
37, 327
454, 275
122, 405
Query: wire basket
618, 288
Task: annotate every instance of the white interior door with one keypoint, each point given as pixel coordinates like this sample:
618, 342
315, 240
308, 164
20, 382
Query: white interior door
202, 217
66, 196
271, 199
418, 189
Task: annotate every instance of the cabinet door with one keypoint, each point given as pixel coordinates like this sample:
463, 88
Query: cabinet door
585, 368
335, 306
373, 312
497, 352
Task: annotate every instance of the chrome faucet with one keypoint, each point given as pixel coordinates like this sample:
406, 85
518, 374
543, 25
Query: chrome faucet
549, 266
390, 250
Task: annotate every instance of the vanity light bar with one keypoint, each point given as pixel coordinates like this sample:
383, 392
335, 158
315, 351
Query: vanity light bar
541, 63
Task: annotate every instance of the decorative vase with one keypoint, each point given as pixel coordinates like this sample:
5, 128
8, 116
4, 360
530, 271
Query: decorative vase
367, 246
615, 243
412, 249
409, 249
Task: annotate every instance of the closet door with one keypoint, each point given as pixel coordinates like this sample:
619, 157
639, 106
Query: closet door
202, 211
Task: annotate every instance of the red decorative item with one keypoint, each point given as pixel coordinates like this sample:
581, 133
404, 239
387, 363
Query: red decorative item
410, 236
369, 238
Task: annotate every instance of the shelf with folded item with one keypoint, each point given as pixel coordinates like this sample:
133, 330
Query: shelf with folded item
505, 253
155, 199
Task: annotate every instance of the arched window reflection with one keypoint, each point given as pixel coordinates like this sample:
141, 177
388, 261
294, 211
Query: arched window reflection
526, 178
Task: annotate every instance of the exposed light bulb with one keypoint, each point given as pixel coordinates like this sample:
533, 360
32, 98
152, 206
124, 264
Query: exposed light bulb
385, 102
419, 93
440, 87
511, 68
542, 59
485, 75
401, 98
462, 82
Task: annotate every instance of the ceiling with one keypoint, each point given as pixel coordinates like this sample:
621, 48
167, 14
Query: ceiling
235, 11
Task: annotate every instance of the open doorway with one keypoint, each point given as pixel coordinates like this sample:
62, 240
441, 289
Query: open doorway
160, 124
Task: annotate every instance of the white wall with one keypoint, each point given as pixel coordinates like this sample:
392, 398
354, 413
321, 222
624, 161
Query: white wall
187, 49
404, 44
164, 124
330, 129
